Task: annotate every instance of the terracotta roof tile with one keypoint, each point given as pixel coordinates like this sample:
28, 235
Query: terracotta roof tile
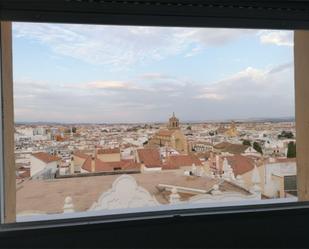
240, 164
176, 161
101, 166
129, 164
87, 164
150, 157
45, 157
164, 133
81, 154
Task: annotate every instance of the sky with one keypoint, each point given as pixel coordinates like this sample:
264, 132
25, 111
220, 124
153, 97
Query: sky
110, 74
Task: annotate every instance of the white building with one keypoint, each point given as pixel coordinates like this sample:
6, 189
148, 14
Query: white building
43, 165
279, 174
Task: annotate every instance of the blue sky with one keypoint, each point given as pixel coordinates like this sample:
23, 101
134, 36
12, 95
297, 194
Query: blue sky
95, 73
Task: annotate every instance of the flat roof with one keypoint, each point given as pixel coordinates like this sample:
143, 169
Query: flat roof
48, 195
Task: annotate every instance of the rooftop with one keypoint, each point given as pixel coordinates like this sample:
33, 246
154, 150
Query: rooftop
166, 133
101, 166
240, 164
176, 161
108, 151
45, 157
48, 196
231, 148
150, 157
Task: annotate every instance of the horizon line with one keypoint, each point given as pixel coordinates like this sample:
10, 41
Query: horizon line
261, 119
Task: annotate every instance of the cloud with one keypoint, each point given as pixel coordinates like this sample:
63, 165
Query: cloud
210, 95
243, 82
281, 67
251, 92
118, 46
213, 36
123, 46
279, 38
111, 85
252, 82
153, 95
107, 86
154, 76
194, 51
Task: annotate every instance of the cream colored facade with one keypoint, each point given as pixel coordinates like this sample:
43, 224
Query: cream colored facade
109, 157
279, 185
178, 141
172, 137
232, 131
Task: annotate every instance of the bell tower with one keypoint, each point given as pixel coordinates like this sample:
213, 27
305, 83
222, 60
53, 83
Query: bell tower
173, 122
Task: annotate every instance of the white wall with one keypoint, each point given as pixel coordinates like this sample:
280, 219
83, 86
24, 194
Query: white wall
152, 169
38, 167
279, 168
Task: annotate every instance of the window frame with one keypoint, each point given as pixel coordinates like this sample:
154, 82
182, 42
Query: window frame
112, 17
176, 214
2, 190
7, 164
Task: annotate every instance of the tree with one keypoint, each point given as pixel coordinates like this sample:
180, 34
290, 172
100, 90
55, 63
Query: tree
291, 150
286, 134
257, 147
189, 128
74, 129
246, 142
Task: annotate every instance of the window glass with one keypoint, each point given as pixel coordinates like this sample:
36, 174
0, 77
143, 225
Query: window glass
129, 118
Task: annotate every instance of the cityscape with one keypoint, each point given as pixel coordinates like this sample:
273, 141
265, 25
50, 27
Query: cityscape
75, 168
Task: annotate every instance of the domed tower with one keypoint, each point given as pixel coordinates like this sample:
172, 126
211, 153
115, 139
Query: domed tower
232, 131
173, 123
